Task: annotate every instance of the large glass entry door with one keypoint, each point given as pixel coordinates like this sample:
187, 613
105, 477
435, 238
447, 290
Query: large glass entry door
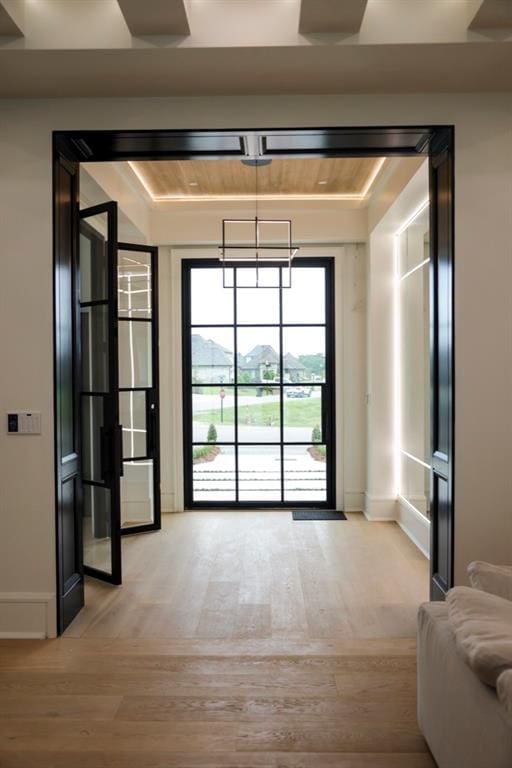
258, 382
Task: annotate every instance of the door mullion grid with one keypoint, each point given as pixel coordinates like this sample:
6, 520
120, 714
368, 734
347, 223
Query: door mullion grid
235, 381
281, 390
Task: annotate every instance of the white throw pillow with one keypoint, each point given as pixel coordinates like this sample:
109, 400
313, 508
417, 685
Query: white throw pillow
482, 625
496, 579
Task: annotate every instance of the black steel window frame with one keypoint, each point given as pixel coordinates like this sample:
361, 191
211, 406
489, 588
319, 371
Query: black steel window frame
328, 386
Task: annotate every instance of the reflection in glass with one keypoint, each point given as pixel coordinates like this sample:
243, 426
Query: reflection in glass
135, 354
213, 414
96, 528
415, 484
95, 348
414, 365
414, 246
134, 284
258, 355
132, 415
259, 473
210, 302
137, 500
302, 410
213, 473
93, 260
304, 302
303, 354
259, 416
305, 477
92, 423
212, 355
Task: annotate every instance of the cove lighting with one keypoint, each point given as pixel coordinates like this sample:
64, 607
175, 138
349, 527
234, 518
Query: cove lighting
232, 198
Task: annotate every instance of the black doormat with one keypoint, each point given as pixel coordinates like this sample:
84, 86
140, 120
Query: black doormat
317, 514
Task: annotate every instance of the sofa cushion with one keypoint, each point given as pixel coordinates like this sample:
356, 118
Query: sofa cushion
496, 579
482, 625
504, 690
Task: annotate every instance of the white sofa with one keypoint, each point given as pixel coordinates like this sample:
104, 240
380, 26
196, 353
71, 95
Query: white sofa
465, 672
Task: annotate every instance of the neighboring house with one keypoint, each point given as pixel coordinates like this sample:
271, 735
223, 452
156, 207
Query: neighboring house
293, 368
211, 363
260, 364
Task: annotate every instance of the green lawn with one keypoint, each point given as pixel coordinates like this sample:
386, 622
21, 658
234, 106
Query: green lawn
298, 413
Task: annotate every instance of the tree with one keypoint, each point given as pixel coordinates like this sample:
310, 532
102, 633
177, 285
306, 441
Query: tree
314, 365
212, 434
316, 435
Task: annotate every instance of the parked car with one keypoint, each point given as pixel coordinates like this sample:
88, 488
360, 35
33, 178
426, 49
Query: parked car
298, 391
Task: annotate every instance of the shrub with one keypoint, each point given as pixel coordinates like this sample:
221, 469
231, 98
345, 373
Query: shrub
316, 435
212, 434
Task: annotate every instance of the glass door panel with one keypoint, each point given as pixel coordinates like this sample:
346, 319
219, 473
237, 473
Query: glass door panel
100, 431
303, 414
138, 387
258, 383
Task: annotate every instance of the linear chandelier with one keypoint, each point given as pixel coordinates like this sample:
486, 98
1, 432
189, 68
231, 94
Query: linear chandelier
255, 242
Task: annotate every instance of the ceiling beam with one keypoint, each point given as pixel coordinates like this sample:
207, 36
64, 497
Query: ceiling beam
331, 15
8, 26
155, 17
493, 14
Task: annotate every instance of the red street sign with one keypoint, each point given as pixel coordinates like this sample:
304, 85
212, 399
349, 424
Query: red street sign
222, 394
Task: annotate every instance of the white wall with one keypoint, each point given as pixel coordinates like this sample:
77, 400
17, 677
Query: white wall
384, 360
313, 222
483, 311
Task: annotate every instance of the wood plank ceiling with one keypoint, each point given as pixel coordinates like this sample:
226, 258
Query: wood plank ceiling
283, 178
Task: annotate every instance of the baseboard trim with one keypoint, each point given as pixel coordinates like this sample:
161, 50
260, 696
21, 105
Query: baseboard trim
415, 525
379, 508
27, 615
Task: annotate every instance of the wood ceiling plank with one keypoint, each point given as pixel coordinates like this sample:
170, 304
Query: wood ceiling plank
155, 17
331, 15
309, 177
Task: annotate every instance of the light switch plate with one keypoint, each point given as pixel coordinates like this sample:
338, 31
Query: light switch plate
24, 423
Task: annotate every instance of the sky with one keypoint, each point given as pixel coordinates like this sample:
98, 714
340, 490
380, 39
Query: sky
304, 302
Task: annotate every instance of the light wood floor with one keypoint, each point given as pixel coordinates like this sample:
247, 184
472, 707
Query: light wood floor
238, 640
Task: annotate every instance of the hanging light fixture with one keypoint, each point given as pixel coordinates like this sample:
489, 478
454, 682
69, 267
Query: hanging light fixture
256, 242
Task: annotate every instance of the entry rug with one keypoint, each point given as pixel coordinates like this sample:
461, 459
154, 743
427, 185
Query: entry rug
317, 514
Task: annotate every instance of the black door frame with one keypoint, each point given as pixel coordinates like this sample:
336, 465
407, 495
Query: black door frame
328, 415
72, 147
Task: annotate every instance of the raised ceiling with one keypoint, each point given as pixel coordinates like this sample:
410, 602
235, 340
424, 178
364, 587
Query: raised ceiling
332, 178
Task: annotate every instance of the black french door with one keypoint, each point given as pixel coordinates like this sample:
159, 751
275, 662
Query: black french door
99, 400
138, 387
259, 419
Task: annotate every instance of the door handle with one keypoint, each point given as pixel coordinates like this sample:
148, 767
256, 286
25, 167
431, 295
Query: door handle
119, 448
111, 452
151, 424
106, 454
